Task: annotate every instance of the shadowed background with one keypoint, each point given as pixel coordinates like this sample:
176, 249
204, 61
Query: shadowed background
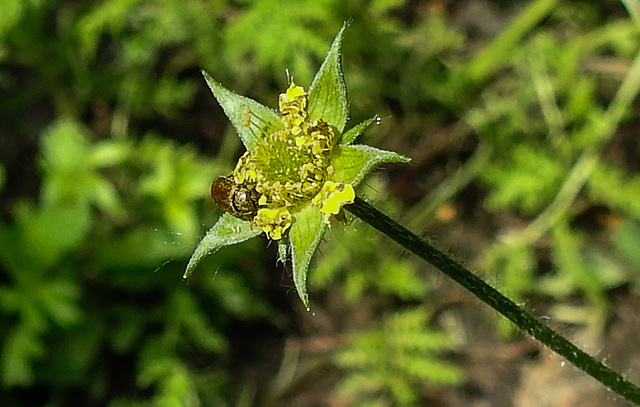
525, 166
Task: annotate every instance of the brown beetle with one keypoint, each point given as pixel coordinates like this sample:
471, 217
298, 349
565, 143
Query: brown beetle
240, 200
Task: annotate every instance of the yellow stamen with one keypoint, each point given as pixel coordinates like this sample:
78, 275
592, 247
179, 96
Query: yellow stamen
273, 222
332, 197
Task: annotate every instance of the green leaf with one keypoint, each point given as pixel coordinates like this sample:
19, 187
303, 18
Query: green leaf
616, 188
570, 259
353, 163
305, 236
395, 360
328, 91
109, 153
71, 164
528, 179
22, 346
65, 147
353, 133
60, 299
227, 231
13, 11
49, 233
263, 119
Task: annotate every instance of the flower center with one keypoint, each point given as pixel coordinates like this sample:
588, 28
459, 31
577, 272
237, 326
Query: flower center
289, 166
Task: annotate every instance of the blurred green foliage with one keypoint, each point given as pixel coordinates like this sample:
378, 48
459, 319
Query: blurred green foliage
389, 366
360, 264
549, 152
100, 208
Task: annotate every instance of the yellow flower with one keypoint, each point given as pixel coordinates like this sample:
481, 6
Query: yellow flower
300, 168
291, 166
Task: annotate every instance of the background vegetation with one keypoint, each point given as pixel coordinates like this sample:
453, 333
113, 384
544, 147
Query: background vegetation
522, 124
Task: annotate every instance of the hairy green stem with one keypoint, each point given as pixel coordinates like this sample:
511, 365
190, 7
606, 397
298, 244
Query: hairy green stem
496, 300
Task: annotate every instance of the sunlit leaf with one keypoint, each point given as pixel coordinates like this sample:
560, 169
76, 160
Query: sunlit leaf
353, 163
250, 118
227, 231
328, 91
305, 236
353, 133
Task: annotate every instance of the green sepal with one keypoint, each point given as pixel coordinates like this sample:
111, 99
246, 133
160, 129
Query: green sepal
353, 133
328, 91
263, 119
305, 236
227, 231
353, 163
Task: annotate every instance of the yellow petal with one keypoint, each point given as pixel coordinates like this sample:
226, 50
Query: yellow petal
332, 197
273, 222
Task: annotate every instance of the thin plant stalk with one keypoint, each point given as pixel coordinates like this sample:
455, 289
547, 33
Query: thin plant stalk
490, 296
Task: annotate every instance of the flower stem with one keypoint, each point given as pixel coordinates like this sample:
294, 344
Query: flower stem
496, 300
